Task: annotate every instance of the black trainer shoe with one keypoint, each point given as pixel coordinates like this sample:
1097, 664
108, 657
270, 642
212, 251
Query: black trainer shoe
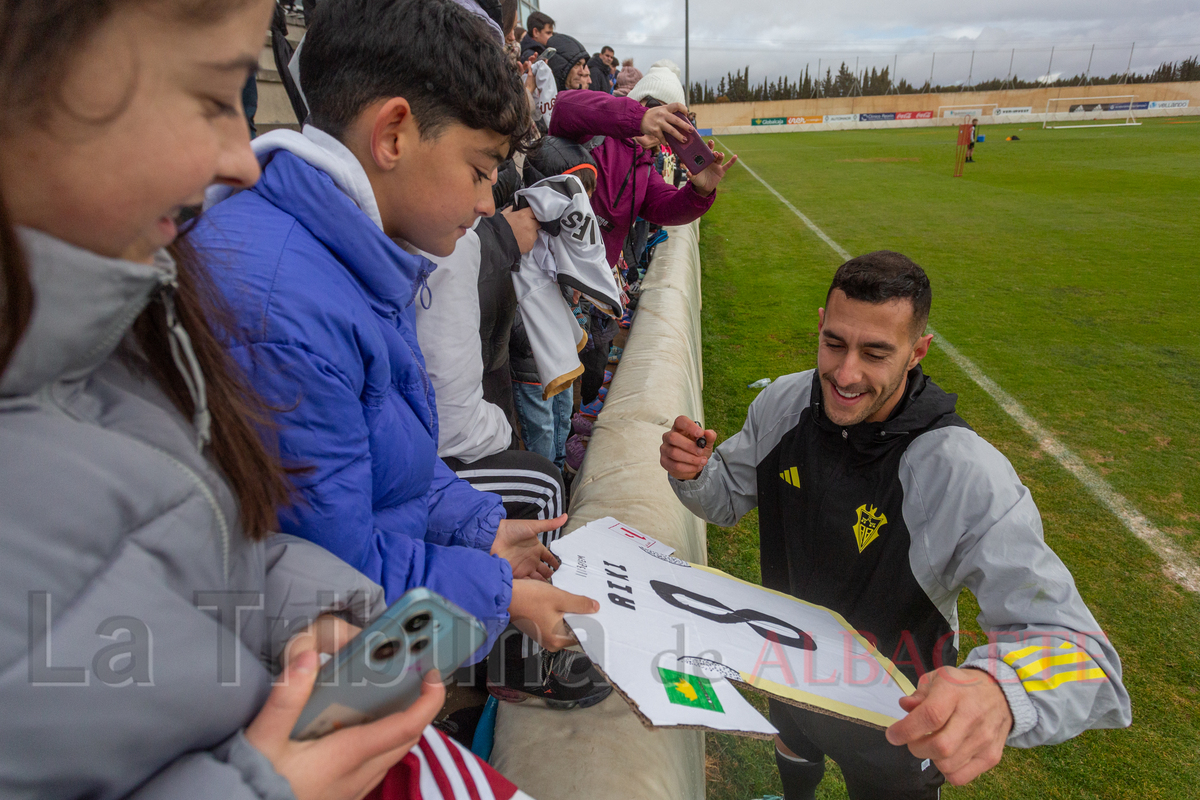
566, 680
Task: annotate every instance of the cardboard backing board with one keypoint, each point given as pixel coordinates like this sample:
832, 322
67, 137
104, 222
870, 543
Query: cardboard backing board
675, 639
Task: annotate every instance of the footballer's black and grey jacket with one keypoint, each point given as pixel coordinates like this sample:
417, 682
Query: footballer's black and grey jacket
887, 522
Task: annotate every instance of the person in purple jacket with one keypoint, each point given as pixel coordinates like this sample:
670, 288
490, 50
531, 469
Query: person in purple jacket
319, 264
629, 187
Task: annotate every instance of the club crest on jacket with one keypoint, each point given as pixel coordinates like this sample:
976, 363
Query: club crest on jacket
866, 530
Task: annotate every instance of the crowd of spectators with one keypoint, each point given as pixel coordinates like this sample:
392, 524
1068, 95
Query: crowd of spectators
227, 441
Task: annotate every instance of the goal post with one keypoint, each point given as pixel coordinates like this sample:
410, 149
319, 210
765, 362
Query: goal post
1107, 111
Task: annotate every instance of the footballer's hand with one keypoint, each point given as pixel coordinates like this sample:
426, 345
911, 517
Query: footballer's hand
681, 454
958, 718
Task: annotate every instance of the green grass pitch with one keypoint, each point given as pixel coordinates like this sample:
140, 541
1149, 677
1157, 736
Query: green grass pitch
1065, 266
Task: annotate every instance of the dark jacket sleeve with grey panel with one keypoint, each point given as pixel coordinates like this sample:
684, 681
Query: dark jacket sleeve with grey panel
887, 522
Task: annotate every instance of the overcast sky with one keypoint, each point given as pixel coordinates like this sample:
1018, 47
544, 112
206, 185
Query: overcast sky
777, 37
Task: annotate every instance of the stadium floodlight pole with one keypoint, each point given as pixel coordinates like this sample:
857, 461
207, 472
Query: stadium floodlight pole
817, 82
1008, 82
970, 73
687, 51
1125, 77
932, 61
892, 77
1087, 74
1049, 65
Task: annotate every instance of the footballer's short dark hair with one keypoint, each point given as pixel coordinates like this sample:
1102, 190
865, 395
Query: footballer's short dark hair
445, 61
882, 276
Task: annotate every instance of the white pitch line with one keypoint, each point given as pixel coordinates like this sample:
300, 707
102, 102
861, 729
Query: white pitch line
837, 248
1177, 565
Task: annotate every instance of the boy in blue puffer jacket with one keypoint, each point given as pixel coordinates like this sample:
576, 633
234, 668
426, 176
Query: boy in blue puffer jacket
318, 261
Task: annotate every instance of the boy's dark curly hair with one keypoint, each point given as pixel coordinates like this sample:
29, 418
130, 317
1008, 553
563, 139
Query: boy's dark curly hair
446, 62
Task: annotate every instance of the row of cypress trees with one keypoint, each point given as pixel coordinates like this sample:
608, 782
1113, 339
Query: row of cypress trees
735, 87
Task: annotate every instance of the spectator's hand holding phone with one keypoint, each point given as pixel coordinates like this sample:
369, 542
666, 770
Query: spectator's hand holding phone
660, 125
706, 181
350, 762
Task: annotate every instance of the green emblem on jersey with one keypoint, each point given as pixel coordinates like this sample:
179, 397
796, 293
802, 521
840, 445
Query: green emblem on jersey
690, 690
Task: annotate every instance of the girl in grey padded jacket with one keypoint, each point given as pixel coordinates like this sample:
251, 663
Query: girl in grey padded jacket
143, 605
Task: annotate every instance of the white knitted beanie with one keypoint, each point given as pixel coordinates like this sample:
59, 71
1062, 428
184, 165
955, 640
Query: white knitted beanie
661, 82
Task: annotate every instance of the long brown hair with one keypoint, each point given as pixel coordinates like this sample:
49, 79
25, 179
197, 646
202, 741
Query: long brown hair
16, 295
39, 38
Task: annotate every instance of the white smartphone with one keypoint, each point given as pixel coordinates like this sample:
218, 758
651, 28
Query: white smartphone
380, 671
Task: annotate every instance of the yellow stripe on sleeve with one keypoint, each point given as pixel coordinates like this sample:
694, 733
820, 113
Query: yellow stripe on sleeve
1054, 681
1034, 667
1016, 655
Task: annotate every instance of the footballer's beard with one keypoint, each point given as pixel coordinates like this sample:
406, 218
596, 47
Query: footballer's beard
868, 410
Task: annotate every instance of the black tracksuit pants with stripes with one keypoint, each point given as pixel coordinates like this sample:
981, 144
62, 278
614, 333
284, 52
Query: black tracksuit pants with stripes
529, 485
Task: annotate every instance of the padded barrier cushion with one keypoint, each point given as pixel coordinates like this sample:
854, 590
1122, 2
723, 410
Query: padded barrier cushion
605, 753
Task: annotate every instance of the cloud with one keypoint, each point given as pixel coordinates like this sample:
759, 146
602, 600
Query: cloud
778, 37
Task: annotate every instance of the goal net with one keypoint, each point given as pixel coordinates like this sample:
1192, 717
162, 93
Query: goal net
1090, 112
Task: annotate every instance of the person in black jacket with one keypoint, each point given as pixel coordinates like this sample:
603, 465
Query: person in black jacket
876, 500
499, 256
541, 28
283, 51
600, 67
545, 424
569, 62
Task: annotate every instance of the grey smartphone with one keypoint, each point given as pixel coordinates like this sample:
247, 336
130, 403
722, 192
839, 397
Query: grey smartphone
380, 671
695, 153
547, 54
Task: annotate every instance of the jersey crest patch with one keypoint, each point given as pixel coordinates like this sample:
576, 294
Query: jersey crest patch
791, 477
866, 530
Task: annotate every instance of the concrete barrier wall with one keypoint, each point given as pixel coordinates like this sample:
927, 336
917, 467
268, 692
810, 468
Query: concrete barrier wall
605, 753
731, 118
